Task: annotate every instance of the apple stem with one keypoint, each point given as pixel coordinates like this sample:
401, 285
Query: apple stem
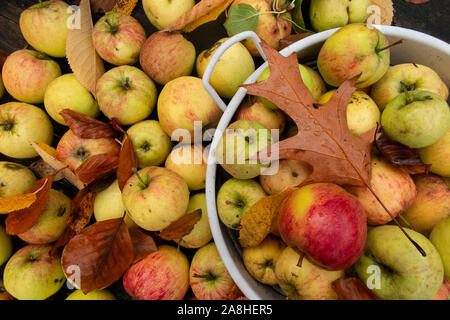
112, 28
389, 46
300, 259
135, 171
406, 91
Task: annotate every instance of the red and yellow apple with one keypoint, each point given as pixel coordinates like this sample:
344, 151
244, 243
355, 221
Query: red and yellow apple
270, 118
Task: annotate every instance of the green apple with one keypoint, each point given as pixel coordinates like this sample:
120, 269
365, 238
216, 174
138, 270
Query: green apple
127, 94
319, 87
270, 118
27, 73
260, 261
52, 221
151, 143
45, 26
15, 179
325, 14
235, 198
6, 246
66, 92
108, 205
306, 77
416, 119
407, 76
4, 295
163, 13
308, 282
166, 56
21, 123
189, 162
208, 277
200, 234
394, 269
93, 295
33, 274
362, 112
118, 38
227, 75
353, 50
241, 141
155, 197
440, 237
437, 155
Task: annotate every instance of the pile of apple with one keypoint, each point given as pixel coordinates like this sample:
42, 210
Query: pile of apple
344, 230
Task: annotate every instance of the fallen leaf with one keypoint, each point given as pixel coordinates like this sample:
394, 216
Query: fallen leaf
352, 289
46, 148
81, 210
287, 41
58, 166
256, 223
43, 169
17, 202
127, 162
181, 227
116, 126
97, 165
67, 235
124, 6
22, 220
241, 17
143, 244
399, 155
102, 252
203, 12
83, 59
86, 127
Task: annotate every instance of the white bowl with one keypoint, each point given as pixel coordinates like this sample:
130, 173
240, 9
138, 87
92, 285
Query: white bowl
417, 47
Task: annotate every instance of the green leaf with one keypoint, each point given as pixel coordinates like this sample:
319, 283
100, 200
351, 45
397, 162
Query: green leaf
241, 17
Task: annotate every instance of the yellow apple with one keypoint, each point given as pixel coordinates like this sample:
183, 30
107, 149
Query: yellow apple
93, 295
438, 155
290, 174
163, 13
15, 179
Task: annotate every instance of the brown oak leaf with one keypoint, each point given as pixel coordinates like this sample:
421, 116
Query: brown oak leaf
20, 221
181, 227
86, 127
127, 162
143, 244
97, 165
352, 289
101, 253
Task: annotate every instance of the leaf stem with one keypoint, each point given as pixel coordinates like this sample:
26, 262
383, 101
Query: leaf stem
389, 46
297, 25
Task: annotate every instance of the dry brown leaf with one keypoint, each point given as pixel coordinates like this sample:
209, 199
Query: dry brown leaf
83, 59
43, 169
17, 202
256, 223
58, 166
143, 244
97, 165
81, 210
386, 11
127, 162
86, 127
181, 227
124, 6
203, 12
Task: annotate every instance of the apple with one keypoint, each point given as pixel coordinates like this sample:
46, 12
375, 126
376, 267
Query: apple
108, 205
93, 295
440, 237
155, 197
52, 221
260, 261
184, 101
306, 78
241, 141
127, 94
15, 179
66, 92
164, 13
208, 277
190, 163
402, 273
326, 223
443, 292
6, 246
118, 38
27, 73
271, 28
73, 150
432, 203
394, 187
44, 26
325, 15
437, 155
227, 76
4, 295
270, 118
308, 282
33, 274
319, 86
416, 119
21, 123
162, 275
407, 76
235, 198
354, 49
362, 112
291, 173
166, 56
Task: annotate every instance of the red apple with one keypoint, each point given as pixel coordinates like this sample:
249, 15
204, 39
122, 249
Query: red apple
326, 223
162, 275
